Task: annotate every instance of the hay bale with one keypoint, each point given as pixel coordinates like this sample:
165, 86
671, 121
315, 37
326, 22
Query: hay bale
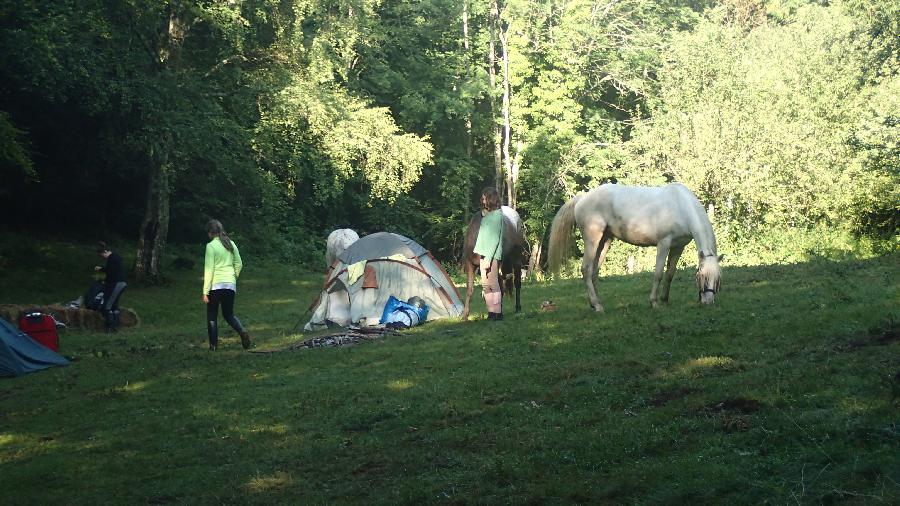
72, 317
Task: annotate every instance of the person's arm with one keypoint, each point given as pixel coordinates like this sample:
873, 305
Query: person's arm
208, 262
238, 264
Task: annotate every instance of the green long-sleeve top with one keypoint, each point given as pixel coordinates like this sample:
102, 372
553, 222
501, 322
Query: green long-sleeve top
220, 265
490, 236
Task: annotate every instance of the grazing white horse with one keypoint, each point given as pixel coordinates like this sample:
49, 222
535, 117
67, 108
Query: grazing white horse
337, 242
667, 217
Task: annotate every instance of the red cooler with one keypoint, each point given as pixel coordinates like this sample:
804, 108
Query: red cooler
40, 327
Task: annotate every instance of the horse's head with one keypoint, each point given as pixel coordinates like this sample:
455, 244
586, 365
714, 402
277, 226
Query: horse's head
709, 277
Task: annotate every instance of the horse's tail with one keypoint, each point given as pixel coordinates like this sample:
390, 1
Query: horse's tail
560, 241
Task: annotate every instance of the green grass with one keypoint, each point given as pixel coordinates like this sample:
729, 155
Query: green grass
785, 391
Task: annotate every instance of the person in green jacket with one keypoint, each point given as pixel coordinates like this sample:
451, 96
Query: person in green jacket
221, 268
489, 246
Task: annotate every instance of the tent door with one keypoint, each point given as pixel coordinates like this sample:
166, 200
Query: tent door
338, 312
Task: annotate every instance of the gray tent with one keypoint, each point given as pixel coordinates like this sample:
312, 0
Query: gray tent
369, 271
20, 354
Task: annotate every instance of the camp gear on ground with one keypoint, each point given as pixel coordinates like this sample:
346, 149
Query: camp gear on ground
41, 327
70, 316
417, 301
399, 314
20, 354
394, 265
93, 298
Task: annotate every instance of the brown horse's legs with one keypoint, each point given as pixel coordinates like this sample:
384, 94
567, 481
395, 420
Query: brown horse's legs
674, 255
517, 279
470, 279
662, 251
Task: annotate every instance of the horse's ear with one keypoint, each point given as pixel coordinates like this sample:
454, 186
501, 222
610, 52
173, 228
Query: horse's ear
721, 258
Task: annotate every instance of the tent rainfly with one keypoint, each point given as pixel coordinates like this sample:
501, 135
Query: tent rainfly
359, 283
20, 354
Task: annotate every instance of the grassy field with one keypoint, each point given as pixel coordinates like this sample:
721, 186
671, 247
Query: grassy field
786, 391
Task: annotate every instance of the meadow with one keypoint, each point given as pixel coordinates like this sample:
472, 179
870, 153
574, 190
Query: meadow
785, 391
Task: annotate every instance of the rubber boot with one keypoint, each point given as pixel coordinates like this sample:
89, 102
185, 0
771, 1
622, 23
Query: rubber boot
212, 329
245, 340
245, 336
108, 321
114, 327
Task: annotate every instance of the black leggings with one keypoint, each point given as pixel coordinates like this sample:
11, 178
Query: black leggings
226, 298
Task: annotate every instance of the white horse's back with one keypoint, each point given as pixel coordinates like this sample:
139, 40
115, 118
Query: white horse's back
638, 215
337, 242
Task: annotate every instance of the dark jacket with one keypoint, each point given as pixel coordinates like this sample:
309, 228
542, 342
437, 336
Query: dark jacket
114, 270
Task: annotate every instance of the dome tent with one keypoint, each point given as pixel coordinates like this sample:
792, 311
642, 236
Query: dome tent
369, 271
20, 354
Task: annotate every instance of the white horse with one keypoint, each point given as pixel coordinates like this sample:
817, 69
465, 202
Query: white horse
337, 242
667, 217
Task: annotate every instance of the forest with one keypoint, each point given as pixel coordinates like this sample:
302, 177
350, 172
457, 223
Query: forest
138, 120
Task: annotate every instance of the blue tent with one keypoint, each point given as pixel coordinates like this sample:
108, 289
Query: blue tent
20, 354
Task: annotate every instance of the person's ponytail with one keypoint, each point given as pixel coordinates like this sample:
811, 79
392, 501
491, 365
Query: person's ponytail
214, 227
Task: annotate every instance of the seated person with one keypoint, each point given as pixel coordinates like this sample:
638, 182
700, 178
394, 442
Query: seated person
112, 286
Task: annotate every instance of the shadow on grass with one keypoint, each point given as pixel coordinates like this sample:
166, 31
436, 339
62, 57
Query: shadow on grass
753, 393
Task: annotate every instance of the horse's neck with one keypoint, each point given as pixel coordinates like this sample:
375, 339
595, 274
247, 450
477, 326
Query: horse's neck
703, 234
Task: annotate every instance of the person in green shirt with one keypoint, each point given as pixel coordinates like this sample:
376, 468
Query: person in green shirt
221, 268
489, 247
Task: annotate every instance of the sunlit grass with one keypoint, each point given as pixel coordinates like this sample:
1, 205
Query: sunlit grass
779, 392
400, 384
278, 480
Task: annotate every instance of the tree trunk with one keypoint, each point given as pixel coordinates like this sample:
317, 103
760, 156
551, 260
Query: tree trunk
512, 177
507, 161
465, 29
492, 74
534, 263
155, 225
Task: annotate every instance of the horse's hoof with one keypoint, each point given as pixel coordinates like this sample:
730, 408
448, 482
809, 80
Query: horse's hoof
598, 308
654, 304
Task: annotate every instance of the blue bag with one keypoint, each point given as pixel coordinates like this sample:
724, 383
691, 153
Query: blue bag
395, 304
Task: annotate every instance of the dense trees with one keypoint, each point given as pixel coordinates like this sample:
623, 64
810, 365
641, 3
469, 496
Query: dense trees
286, 118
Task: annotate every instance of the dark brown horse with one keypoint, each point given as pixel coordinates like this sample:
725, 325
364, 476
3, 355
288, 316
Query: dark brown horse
510, 265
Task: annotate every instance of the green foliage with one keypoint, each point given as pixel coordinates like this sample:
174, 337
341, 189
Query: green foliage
352, 140
760, 123
288, 118
14, 156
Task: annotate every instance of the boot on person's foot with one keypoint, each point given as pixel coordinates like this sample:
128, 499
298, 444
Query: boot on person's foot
245, 340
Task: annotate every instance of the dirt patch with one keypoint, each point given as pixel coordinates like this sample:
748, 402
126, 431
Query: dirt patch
734, 405
881, 335
663, 398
